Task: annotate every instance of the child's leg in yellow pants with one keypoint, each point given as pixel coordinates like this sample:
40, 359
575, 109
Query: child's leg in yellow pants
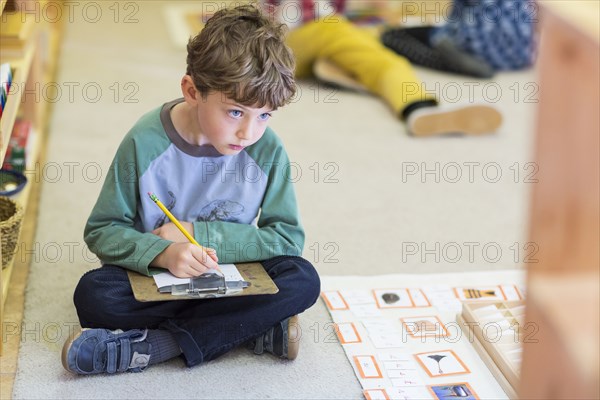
361, 55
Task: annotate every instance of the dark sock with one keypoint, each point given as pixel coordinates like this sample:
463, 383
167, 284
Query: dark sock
164, 345
415, 106
415, 45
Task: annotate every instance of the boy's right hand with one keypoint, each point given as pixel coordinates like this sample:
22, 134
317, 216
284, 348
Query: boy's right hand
186, 260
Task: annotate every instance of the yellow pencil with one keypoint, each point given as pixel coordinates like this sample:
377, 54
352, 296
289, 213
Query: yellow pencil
176, 222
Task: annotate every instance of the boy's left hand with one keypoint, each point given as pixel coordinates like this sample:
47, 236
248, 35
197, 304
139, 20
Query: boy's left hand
169, 231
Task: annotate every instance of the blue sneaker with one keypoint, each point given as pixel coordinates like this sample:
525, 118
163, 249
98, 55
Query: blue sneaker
282, 340
95, 351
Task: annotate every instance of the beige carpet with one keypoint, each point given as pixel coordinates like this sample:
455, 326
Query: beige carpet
368, 202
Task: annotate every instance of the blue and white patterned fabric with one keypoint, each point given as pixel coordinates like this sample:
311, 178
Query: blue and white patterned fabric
499, 32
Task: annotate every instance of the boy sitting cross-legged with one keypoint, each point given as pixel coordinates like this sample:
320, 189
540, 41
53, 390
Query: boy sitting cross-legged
195, 154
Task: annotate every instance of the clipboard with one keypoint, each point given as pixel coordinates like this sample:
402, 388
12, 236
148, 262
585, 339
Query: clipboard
144, 288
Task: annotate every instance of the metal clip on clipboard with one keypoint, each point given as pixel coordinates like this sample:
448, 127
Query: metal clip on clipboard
208, 285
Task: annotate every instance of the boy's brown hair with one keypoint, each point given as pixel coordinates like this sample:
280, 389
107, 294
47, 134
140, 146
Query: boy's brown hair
241, 53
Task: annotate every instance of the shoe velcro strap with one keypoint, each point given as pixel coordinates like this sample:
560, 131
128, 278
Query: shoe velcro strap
111, 357
268, 340
259, 346
125, 357
117, 352
264, 342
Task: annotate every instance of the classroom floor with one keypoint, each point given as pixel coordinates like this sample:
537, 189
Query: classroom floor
373, 199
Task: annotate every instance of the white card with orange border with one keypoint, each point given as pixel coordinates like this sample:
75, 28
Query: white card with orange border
448, 391
367, 367
425, 326
334, 300
511, 292
392, 298
347, 333
419, 298
393, 393
479, 293
441, 363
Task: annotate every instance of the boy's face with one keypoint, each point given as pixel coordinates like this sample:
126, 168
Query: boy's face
229, 126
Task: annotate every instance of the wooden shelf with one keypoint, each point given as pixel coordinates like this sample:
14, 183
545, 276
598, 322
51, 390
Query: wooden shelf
15, 295
6, 274
23, 198
13, 101
17, 29
31, 48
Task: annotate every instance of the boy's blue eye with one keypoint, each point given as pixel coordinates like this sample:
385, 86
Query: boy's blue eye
235, 113
264, 117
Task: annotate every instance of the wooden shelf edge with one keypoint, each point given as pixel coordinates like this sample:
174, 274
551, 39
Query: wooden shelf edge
15, 283
6, 274
13, 101
17, 28
29, 199
23, 199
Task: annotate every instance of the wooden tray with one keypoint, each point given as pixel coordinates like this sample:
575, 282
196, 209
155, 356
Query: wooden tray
495, 329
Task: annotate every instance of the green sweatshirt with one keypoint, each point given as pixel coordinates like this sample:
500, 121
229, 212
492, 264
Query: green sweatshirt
242, 205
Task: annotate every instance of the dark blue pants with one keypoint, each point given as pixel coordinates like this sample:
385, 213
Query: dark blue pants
204, 329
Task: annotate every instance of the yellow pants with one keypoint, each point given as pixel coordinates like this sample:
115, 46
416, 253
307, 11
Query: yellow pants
361, 55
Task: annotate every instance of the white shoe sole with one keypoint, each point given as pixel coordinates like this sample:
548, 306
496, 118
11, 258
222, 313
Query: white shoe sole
293, 337
469, 120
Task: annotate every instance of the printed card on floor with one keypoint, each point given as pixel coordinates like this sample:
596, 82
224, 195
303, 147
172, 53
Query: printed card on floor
416, 381
409, 393
356, 296
392, 298
418, 298
398, 361
406, 378
452, 306
511, 292
382, 327
387, 341
452, 391
398, 393
480, 293
442, 298
367, 367
441, 363
376, 394
403, 372
366, 311
396, 356
334, 300
425, 326
347, 333
403, 364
